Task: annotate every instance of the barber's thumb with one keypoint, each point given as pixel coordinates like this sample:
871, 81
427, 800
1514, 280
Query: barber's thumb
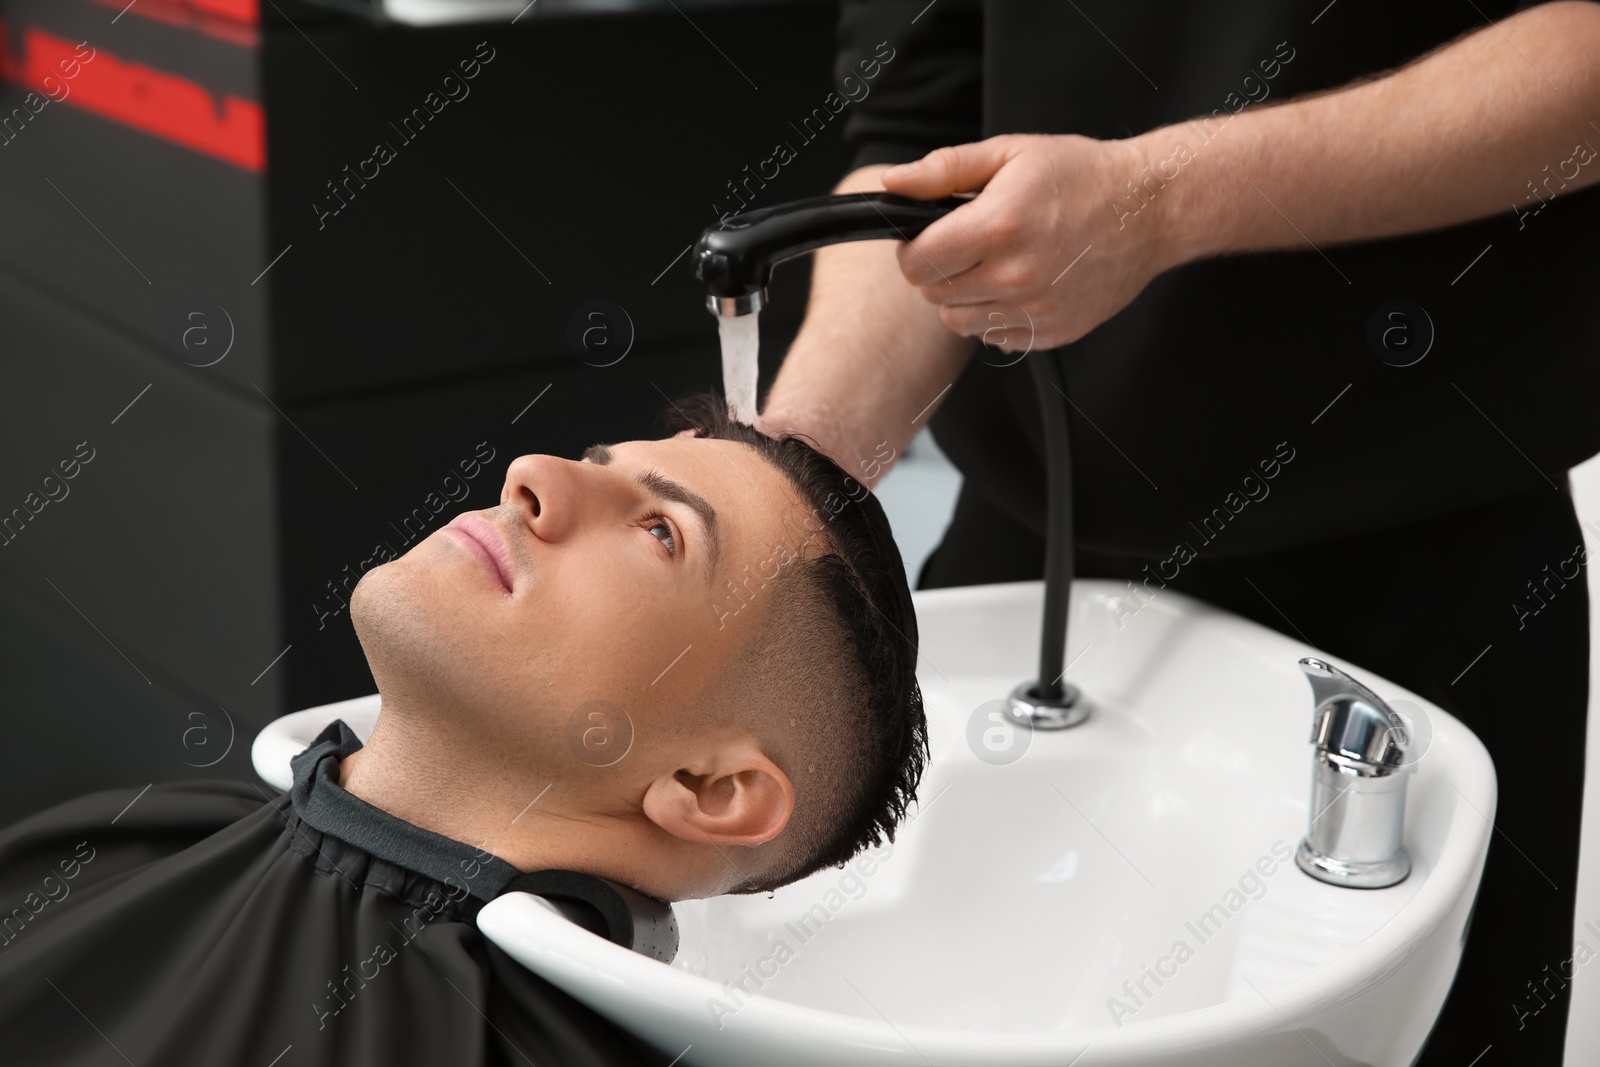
945, 171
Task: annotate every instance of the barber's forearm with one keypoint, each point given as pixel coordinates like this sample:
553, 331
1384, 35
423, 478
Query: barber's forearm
1454, 137
871, 359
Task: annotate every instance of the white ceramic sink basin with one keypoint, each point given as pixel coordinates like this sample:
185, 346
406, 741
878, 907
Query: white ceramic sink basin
1122, 892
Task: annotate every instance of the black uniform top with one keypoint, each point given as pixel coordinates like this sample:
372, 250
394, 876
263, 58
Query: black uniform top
1209, 396
203, 923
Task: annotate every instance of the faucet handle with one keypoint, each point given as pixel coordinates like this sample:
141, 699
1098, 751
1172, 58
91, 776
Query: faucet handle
1358, 784
1353, 722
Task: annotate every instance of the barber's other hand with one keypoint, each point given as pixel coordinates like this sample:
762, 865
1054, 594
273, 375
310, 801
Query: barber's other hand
996, 265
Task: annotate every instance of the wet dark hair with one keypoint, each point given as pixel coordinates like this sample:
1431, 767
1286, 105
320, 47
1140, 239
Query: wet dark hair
845, 637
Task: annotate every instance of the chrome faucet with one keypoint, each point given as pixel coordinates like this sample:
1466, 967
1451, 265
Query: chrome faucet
1358, 784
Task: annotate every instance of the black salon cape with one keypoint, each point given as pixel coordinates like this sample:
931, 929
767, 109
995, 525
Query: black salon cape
213, 923
1181, 402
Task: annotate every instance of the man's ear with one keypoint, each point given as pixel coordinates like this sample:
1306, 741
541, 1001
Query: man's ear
736, 796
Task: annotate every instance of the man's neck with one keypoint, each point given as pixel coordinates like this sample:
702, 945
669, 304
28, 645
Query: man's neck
419, 775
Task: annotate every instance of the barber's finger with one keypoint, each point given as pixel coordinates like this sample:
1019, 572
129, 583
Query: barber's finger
940, 253
972, 233
975, 286
945, 171
965, 319
996, 323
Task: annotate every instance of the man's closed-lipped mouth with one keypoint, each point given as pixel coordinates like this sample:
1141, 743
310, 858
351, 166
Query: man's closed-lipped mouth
483, 539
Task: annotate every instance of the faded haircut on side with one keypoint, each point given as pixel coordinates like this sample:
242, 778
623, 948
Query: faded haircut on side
830, 679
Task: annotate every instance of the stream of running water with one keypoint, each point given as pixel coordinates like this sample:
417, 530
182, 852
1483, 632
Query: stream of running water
740, 344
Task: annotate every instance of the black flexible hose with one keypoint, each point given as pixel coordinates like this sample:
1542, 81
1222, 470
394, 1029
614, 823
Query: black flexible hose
1058, 524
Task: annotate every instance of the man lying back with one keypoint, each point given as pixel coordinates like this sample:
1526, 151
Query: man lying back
729, 612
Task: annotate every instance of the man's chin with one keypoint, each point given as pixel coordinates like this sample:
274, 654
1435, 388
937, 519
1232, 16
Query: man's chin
401, 614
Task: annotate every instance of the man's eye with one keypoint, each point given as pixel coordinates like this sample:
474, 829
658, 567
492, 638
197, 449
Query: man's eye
657, 522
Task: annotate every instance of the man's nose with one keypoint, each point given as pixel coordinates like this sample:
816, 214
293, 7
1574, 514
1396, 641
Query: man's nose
550, 494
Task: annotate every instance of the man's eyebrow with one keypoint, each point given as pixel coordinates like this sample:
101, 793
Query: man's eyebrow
667, 489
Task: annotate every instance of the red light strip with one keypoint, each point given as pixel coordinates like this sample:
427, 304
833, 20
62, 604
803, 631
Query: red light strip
143, 98
234, 21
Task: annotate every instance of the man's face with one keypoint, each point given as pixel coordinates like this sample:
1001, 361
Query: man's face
598, 580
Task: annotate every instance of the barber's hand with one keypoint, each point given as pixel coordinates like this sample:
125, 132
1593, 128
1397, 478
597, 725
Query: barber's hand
996, 265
